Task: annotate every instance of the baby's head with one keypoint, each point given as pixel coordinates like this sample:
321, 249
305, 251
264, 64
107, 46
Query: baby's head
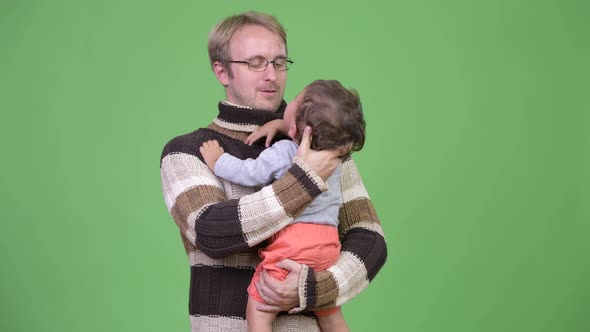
334, 113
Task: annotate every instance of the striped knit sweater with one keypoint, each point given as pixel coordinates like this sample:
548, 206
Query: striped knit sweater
221, 225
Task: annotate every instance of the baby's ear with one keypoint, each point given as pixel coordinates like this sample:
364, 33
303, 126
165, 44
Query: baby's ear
292, 131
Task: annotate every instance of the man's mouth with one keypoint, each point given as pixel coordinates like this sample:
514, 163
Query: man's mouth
268, 92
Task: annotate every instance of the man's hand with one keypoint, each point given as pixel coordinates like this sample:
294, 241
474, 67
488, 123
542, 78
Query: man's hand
211, 151
268, 130
322, 162
280, 295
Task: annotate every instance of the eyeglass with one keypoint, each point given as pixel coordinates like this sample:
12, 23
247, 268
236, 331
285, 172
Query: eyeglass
261, 63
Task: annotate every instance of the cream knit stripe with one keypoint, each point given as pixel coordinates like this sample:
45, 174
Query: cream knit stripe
369, 225
181, 172
285, 323
236, 126
351, 277
290, 323
350, 180
192, 217
217, 324
257, 227
354, 192
302, 287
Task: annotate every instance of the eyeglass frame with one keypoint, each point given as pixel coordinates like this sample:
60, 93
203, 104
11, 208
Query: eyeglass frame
288, 63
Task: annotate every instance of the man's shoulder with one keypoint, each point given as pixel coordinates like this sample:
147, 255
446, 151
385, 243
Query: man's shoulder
189, 143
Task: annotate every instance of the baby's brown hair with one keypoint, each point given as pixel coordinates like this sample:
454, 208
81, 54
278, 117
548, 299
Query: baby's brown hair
335, 115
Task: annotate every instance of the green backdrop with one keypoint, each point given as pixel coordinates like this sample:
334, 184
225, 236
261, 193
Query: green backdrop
477, 157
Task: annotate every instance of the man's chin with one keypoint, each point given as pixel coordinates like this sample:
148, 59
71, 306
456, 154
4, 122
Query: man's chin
269, 106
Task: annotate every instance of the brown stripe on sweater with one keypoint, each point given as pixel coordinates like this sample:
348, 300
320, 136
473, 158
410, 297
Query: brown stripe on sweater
238, 135
193, 200
327, 286
219, 220
241, 260
292, 193
356, 211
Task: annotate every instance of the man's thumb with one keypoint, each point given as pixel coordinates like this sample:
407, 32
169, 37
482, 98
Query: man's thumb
306, 138
289, 265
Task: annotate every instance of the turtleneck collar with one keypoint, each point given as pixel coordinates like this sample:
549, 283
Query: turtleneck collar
243, 118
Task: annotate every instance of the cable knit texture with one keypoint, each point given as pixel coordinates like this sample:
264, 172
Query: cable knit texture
222, 224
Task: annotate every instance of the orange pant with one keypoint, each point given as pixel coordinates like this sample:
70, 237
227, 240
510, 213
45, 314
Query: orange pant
316, 246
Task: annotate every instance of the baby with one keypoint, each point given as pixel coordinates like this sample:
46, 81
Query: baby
336, 117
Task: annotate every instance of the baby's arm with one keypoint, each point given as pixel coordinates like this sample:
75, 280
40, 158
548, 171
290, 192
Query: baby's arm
268, 130
271, 164
211, 152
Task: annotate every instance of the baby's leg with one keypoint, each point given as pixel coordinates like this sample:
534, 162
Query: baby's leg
332, 322
258, 321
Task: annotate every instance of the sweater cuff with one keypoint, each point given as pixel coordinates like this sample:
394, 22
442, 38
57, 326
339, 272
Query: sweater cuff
315, 178
306, 290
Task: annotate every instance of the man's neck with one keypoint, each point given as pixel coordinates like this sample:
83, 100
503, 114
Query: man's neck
243, 118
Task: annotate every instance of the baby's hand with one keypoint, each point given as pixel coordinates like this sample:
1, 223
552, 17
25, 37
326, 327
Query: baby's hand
211, 151
268, 130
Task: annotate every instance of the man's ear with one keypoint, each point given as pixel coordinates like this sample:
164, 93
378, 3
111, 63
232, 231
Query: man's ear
221, 73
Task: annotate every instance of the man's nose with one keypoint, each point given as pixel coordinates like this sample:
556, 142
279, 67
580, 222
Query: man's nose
270, 73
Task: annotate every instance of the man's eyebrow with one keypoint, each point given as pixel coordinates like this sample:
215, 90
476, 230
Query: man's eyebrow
262, 56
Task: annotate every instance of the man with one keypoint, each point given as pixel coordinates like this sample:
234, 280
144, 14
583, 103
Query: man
222, 224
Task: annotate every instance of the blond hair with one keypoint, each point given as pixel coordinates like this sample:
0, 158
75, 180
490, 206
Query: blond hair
221, 34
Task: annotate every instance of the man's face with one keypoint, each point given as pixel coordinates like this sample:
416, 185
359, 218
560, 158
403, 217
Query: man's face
260, 90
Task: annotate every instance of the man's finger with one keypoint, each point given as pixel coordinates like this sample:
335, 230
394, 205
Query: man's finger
306, 138
264, 286
267, 308
289, 265
251, 139
267, 282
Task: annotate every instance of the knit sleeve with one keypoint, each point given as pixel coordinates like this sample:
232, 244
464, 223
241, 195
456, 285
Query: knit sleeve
271, 164
219, 226
363, 252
